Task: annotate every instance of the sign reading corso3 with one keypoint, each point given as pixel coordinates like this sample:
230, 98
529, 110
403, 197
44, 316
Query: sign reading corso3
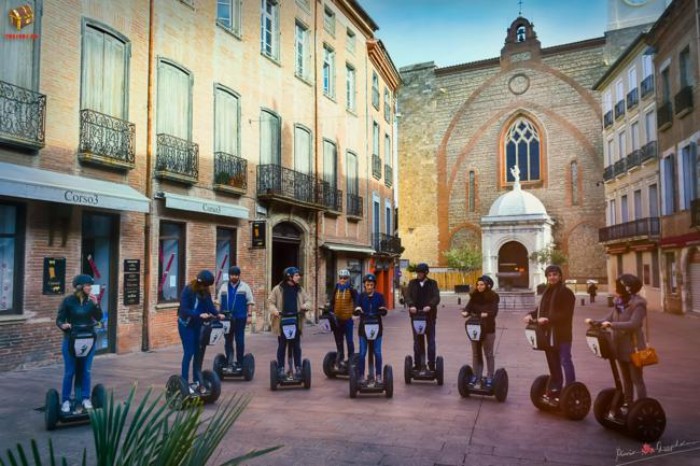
81, 198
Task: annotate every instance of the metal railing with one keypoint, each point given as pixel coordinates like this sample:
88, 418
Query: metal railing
107, 140
331, 197
230, 171
376, 166
619, 109
608, 119
608, 173
355, 204
388, 175
22, 116
275, 180
632, 98
649, 151
647, 85
620, 167
386, 243
684, 100
176, 159
648, 227
634, 159
664, 115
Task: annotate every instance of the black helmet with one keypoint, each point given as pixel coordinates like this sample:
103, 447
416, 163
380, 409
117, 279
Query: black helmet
82, 279
205, 277
487, 280
234, 270
289, 272
422, 267
370, 277
627, 284
553, 268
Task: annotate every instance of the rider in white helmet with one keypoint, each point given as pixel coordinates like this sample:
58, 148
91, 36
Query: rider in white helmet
343, 302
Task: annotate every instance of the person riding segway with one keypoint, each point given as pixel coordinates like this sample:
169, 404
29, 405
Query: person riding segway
338, 316
423, 295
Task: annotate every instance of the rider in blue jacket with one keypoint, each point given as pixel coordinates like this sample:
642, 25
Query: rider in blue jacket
370, 304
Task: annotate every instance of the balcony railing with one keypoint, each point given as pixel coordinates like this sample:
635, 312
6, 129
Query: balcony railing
106, 140
608, 173
176, 159
648, 86
684, 100
275, 182
608, 119
376, 166
331, 197
645, 227
387, 244
633, 98
619, 109
649, 151
634, 159
620, 167
388, 175
695, 213
664, 116
355, 204
230, 173
22, 116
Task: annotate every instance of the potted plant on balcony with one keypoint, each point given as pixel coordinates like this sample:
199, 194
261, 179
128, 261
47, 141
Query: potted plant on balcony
466, 258
545, 257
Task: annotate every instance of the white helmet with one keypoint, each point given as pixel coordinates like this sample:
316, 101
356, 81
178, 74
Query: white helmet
344, 273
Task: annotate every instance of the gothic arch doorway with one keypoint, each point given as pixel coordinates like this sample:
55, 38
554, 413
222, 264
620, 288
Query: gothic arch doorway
286, 247
513, 266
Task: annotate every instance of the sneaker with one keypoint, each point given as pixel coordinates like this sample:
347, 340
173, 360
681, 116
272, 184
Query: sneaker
431, 367
65, 407
379, 379
201, 389
280, 373
194, 387
87, 404
624, 410
297, 373
488, 383
472, 380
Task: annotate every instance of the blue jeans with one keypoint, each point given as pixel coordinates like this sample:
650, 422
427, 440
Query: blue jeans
556, 359
296, 350
377, 356
344, 329
192, 351
237, 333
78, 368
419, 344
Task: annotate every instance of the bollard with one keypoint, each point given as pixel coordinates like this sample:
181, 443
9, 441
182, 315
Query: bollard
583, 301
459, 301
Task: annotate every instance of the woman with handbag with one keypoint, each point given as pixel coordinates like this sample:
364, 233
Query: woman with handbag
626, 320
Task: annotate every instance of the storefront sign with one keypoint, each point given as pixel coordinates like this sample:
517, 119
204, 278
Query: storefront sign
54, 275
132, 281
258, 234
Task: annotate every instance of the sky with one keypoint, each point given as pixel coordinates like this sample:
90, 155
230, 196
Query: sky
450, 32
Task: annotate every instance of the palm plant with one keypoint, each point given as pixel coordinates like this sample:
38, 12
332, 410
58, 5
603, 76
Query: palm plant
156, 435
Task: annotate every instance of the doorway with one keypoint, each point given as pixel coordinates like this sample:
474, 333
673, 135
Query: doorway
513, 266
286, 244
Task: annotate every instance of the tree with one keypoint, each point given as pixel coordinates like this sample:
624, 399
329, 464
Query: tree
465, 258
549, 255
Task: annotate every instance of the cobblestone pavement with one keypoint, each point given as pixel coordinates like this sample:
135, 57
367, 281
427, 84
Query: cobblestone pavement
423, 424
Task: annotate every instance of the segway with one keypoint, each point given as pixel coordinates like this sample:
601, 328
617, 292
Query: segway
178, 392
371, 385
80, 343
574, 401
645, 419
332, 366
289, 328
499, 388
226, 369
420, 325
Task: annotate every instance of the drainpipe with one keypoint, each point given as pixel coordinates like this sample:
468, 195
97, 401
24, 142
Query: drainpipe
146, 321
319, 215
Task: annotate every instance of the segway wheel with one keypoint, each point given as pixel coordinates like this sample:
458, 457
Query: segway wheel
388, 381
500, 385
98, 396
646, 420
407, 368
537, 391
248, 367
575, 401
306, 373
353, 382
219, 364
440, 370
328, 362
177, 392
51, 409
601, 408
465, 373
273, 375
353, 361
212, 383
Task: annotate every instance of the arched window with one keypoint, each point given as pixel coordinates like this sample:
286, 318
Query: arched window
520, 34
522, 148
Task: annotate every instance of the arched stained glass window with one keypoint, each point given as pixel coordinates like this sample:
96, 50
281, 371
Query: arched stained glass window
522, 148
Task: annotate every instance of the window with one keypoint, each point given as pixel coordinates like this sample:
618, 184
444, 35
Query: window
689, 175
668, 185
632, 79
634, 134
350, 41
647, 65
376, 214
350, 87
671, 272
270, 150
621, 144
228, 14
375, 90
387, 150
638, 214
387, 106
20, 58
302, 150
11, 258
650, 126
174, 111
225, 254
655, 270
575, 195
611, 152
612, 212
328, 71
387, 217
353, 182
472, 191
619, 91
330, 163
227, 128
624, 210
686, 71
105, 70
171, 261
301, 51
329, 20
607, 102
522, 149
653, 200
270, 29
665, 86
375, 139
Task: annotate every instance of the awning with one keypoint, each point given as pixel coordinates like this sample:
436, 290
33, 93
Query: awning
45, 185
206, 206
341, 247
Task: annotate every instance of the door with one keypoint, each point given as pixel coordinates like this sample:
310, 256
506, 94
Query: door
286, 242
513, 266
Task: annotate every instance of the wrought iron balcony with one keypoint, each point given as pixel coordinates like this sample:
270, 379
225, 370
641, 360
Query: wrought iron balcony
695, 213
648, 86
684, 101
106, 140
386, 244
176, 159
632, 98
634, 159
664, 115
388, 175
230, 173
608, 173
376, 166
619, 109
649, 151
331, 197
277, 183
620, 167
637, 229
608, 119
22, 116
355, 204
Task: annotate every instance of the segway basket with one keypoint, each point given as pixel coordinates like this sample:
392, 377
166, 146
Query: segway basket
289, 327
599, 343
539, 337
371, 326
325, 324
473, 328
420, 324
82, 341
226, 324
212, 332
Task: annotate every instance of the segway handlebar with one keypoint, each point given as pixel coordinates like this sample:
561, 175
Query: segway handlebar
382, 311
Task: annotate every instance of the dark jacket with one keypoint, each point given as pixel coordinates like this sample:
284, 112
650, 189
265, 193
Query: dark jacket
426, 295
192, 305
627, 327
484, 302
73, 311
557, 304
370, 307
